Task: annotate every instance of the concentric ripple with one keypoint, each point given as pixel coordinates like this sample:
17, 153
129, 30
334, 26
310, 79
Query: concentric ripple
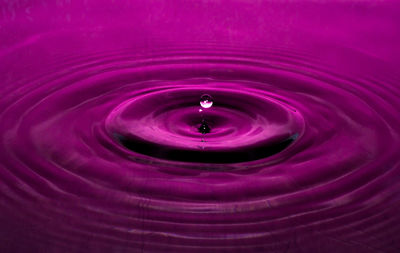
102, 152
164, 124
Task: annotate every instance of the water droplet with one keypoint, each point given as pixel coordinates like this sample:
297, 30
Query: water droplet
206, 101
204, 128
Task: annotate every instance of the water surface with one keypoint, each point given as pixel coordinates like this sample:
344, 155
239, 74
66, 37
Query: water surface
100, 149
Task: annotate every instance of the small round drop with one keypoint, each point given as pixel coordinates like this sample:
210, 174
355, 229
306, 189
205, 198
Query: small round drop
206, 101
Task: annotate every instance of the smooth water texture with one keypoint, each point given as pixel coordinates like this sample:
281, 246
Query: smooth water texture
103, 147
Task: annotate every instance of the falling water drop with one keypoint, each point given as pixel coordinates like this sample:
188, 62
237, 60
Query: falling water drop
206, 101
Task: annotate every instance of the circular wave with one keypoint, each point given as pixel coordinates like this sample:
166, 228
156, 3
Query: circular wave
164, 124
297, 150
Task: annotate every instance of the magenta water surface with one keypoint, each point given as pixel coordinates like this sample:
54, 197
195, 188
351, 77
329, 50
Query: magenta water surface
104, 148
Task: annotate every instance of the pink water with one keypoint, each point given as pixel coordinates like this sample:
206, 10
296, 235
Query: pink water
99, 114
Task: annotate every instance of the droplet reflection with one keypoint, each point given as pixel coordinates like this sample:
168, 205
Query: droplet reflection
206, 101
